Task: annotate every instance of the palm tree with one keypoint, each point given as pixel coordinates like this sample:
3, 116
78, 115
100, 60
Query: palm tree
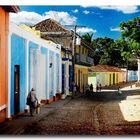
88, 37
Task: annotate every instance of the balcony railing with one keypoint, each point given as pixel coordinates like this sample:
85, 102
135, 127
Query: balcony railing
83, 59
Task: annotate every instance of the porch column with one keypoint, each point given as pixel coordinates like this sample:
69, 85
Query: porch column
9, 77
27, 71
47, 75
60, 74
66, 87
54, 76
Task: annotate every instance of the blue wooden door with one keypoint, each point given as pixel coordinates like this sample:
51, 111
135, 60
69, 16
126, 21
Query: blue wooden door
70, 78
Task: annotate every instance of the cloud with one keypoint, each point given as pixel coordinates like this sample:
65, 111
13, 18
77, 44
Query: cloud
86, 12
115, 29
31, 18
75, 11
123, 9
85, 30
61, 17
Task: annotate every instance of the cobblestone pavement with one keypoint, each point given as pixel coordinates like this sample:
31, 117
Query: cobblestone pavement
102, 113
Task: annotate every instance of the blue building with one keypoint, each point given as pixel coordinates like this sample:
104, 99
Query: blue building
32, 63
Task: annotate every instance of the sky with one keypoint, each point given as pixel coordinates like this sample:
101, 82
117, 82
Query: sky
102, 21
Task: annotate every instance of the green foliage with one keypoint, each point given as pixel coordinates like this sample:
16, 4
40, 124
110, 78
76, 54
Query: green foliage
131, 29
87, 37
122, 52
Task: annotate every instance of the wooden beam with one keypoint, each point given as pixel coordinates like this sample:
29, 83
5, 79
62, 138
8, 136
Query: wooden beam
56, 34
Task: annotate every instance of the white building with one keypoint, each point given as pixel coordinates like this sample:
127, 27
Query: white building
32, 63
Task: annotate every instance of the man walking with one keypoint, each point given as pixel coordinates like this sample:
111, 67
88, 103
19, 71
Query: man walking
32, 101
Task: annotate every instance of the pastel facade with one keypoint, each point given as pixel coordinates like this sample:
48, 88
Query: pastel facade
105, 75
4, 30
49, 28
82, 63
132, 75
33, 63
66, 70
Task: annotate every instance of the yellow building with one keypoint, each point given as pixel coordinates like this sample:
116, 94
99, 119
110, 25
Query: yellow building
106, 75
82, 63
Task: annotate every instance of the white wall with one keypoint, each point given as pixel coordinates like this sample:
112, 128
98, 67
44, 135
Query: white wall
39, 71
41, 76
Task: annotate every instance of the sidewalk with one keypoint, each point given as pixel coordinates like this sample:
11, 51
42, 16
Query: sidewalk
16, 126
122, 85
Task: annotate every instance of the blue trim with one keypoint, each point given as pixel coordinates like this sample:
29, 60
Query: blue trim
65, 59
70, 78
63, 77
43, 50
18, 58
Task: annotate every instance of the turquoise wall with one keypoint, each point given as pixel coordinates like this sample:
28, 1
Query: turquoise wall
18, 58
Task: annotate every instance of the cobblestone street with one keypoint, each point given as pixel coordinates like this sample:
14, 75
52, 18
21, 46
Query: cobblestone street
102, 113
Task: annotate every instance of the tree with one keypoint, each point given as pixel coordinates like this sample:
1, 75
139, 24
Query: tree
122, 52
131, 29
104, 49
131, 34
88, 37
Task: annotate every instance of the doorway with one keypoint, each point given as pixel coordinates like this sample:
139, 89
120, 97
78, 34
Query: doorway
109, 79
16, 89
113, 78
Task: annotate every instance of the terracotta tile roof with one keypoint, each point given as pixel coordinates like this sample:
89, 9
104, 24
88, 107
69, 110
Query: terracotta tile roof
50, 25
104, 68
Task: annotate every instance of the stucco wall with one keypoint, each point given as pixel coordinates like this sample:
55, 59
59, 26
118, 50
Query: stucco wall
34, 56
18, 58
81, 76
4, 29
4, 18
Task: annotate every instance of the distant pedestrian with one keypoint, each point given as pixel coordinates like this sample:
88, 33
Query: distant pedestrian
100, 87
32, 101
87, 89
91, 88
75, 88
119, 91
97, 88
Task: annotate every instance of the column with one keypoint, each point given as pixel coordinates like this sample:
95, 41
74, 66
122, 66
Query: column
54, 75
66, 88
47, 74
60, 74
9, 76
27, 70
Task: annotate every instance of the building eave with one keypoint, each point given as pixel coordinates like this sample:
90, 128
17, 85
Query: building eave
13, 9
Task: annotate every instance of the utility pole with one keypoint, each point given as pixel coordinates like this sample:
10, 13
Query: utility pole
73, 60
